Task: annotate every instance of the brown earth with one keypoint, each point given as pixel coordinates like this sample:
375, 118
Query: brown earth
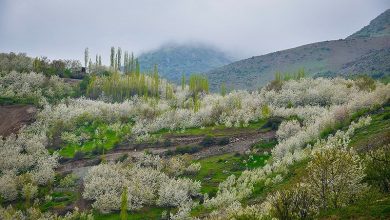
13, 117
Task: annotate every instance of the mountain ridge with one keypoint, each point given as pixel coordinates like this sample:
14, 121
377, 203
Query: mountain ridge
173, 60
326, 58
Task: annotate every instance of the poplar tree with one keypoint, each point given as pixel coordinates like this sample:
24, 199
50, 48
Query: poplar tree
112, 57
116, 62
124, 202
100, 60
137, 67
223, 89
86, 57
132, 63
155, 80
90, 66
183, 81
119, 58
125, 62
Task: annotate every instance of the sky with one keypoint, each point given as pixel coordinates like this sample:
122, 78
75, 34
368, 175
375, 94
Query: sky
61, 29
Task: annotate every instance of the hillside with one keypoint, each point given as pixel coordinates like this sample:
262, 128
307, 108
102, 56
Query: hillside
380, 26
173, 60
329, 58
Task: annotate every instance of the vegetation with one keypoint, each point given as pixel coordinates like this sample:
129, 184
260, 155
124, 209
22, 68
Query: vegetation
292, 133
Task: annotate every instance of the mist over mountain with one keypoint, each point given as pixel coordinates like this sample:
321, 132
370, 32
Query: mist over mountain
175, 59
364, 52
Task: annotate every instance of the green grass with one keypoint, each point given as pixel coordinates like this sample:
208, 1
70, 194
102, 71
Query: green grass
144, 213
104, 139
59, 200
216, 169
215, 130
377, 133
256, 160
372, 206
265, 144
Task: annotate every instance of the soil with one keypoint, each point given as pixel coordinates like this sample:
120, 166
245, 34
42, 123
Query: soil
13, 117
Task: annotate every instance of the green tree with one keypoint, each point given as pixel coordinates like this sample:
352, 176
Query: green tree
119, 58
100, 60
112, 57
124, 202
183, 81
86, 57
334, 177
223, 89
137, 67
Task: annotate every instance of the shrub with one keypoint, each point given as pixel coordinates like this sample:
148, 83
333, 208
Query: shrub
78, 155
342, 185
378, 168
223, 141
207, 141
272, 123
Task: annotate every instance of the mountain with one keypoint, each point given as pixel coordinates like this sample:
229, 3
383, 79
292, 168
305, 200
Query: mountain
366, 51
380, 26
175, 59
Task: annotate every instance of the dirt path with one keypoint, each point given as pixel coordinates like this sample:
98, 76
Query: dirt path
13, 117
239, 143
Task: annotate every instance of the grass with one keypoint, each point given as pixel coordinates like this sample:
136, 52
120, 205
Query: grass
265, 144
59, 200
216, 169
374, 205
215, 130
144, 213
377, 133
101, 136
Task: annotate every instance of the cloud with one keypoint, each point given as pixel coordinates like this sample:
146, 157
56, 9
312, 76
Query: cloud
63, 28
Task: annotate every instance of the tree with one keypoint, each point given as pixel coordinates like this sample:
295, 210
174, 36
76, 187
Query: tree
294, 203
223, 89
378, 168
124, 203
183, 81
125, 62
119, 58
86, 57
112, 57
137, 67
334, 177
100, 60
90, 66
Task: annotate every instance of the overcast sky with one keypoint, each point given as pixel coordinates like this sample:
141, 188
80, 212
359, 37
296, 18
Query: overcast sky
244, 28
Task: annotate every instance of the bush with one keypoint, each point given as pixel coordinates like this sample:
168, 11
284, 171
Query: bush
223, 141
207, 141
167, 143
272, 123
378, 168
78, 155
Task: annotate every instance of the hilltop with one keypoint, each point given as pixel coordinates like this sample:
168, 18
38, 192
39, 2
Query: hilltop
363, 52
175, 59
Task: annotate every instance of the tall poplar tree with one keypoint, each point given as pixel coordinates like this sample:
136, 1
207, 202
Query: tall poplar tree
119, 58
86, 57
112, 57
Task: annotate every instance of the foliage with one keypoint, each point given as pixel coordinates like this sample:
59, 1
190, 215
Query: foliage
378, 168
33, 86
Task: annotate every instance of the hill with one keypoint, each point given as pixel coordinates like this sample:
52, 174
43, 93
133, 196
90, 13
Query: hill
380, 26
173, 60
357, 54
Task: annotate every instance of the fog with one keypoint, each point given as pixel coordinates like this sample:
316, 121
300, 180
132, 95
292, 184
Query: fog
63, 28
